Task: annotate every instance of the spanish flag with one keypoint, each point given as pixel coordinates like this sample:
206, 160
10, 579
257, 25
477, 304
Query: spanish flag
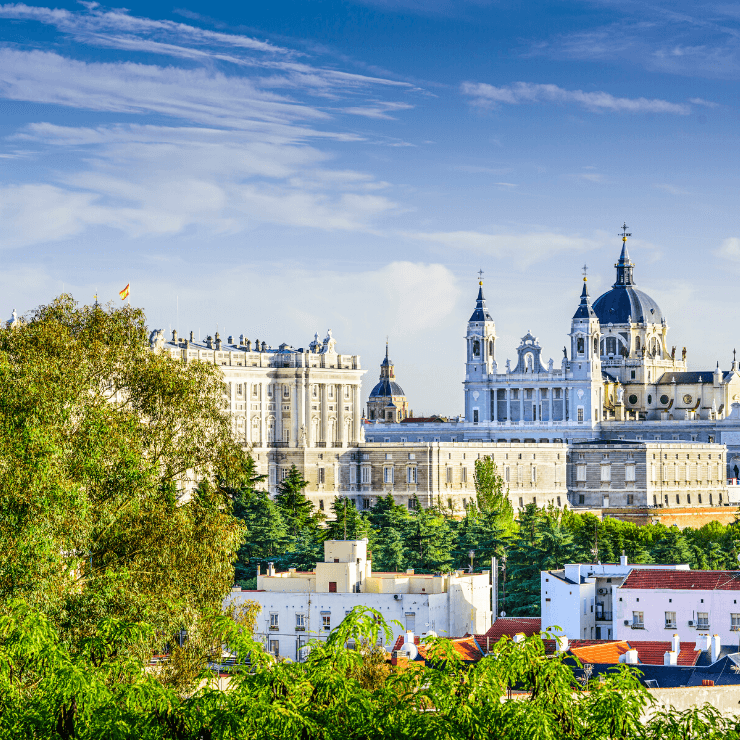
124, 293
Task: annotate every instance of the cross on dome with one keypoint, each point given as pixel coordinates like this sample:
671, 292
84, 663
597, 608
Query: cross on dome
624, 233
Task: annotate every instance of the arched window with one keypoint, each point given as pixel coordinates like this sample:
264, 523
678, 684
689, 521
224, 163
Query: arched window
611, 345
580, 345
637, 343
476, 348
490, 348
596, 345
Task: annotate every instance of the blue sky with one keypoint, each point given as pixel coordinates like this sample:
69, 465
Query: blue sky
281, 168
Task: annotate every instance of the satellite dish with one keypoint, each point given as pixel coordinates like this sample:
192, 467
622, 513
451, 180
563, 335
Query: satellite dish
431, 633
503, 614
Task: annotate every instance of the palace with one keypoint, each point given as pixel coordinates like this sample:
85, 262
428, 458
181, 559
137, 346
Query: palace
657, 433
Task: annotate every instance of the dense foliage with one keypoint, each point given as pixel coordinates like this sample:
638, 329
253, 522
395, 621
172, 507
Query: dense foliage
99, 437
104, 691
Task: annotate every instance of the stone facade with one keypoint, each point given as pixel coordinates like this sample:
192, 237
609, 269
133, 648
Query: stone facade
620, 474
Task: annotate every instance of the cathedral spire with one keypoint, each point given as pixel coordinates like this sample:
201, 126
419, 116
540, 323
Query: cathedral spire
624, 266
584, 310
481, 312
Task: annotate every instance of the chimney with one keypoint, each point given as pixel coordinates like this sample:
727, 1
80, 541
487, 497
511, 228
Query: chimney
670, 658
676, 644
191, 337
715, 648
630, 657
409, 637
623, 559
259, 570
271, 569
706, 642
562, 643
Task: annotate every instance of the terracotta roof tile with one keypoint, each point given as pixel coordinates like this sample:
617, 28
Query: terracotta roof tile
685, 580
649, 652
509, 626
466, 647
607, 652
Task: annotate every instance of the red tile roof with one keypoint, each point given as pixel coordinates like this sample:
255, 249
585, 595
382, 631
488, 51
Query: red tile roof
466, 647
686, 580
509, 626
608, 652
650, 652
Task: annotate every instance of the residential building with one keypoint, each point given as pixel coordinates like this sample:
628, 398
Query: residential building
579, 601
299, 606
697, 605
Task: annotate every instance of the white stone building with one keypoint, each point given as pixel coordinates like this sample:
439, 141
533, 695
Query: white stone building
299, 606
580, 599
655, 603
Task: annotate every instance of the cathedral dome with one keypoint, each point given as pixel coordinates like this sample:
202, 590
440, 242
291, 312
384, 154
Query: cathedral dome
386, 388
624, 303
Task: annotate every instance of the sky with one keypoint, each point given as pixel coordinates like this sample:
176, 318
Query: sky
279, 169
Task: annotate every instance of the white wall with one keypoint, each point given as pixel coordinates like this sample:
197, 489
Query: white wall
562, 606
655, 602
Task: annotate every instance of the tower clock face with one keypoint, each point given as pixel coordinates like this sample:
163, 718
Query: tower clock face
687, 398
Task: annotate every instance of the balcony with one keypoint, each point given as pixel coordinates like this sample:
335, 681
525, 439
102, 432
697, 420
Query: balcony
638, 625
603, 616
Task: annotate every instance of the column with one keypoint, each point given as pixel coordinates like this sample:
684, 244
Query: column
296, 412
277, 400
262, 404
324, 392
340, 414
494, 403
550, 391
357, 414
570, 403
310, 441
508, 405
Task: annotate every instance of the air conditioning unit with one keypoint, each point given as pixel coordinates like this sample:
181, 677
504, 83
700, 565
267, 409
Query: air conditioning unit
691, 622
397, 597
603, 591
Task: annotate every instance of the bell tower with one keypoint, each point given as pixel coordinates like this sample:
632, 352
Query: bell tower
480, 359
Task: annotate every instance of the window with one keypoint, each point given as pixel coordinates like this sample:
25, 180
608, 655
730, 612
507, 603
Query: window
365, 455
286, 391
464, 475
580, 473
365, 474
630, 499
326, 618
322, 476
300, 622
670, 620
735, 622
507, 473
638, 621
275, 647
475, 416
352, 474
521, 502
388, 475
321, 504
534, 474
332, 587
581, 499
606, 473
412, 503
411, 475
448, 473
702, 620
629, 473
580, 414
274, 621
411, 621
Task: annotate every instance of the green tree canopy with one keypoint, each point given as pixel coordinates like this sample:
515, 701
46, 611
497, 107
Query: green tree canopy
100, 441
298, 512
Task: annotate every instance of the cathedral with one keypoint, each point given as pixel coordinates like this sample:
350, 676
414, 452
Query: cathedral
618, 378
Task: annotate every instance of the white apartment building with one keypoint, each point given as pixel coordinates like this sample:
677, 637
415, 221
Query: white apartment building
578, 601
297, 607
655, 603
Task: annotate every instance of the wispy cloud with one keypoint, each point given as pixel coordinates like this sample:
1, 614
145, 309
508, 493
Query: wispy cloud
378, 109
729, 249
484, 95
672, 189
521, 249
705, 103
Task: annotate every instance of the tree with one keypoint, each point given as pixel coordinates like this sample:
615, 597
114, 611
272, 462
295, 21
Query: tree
348, 524
298, 512
491, 492
390, 553
430, 541
672, 548
100, 439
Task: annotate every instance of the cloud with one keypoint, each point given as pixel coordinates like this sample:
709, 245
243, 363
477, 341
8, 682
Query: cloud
485, 95
706, 103
672, 189
379, 109
729, 249
522, 250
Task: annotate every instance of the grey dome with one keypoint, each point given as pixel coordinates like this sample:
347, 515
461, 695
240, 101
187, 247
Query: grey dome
386, 388
624, 302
